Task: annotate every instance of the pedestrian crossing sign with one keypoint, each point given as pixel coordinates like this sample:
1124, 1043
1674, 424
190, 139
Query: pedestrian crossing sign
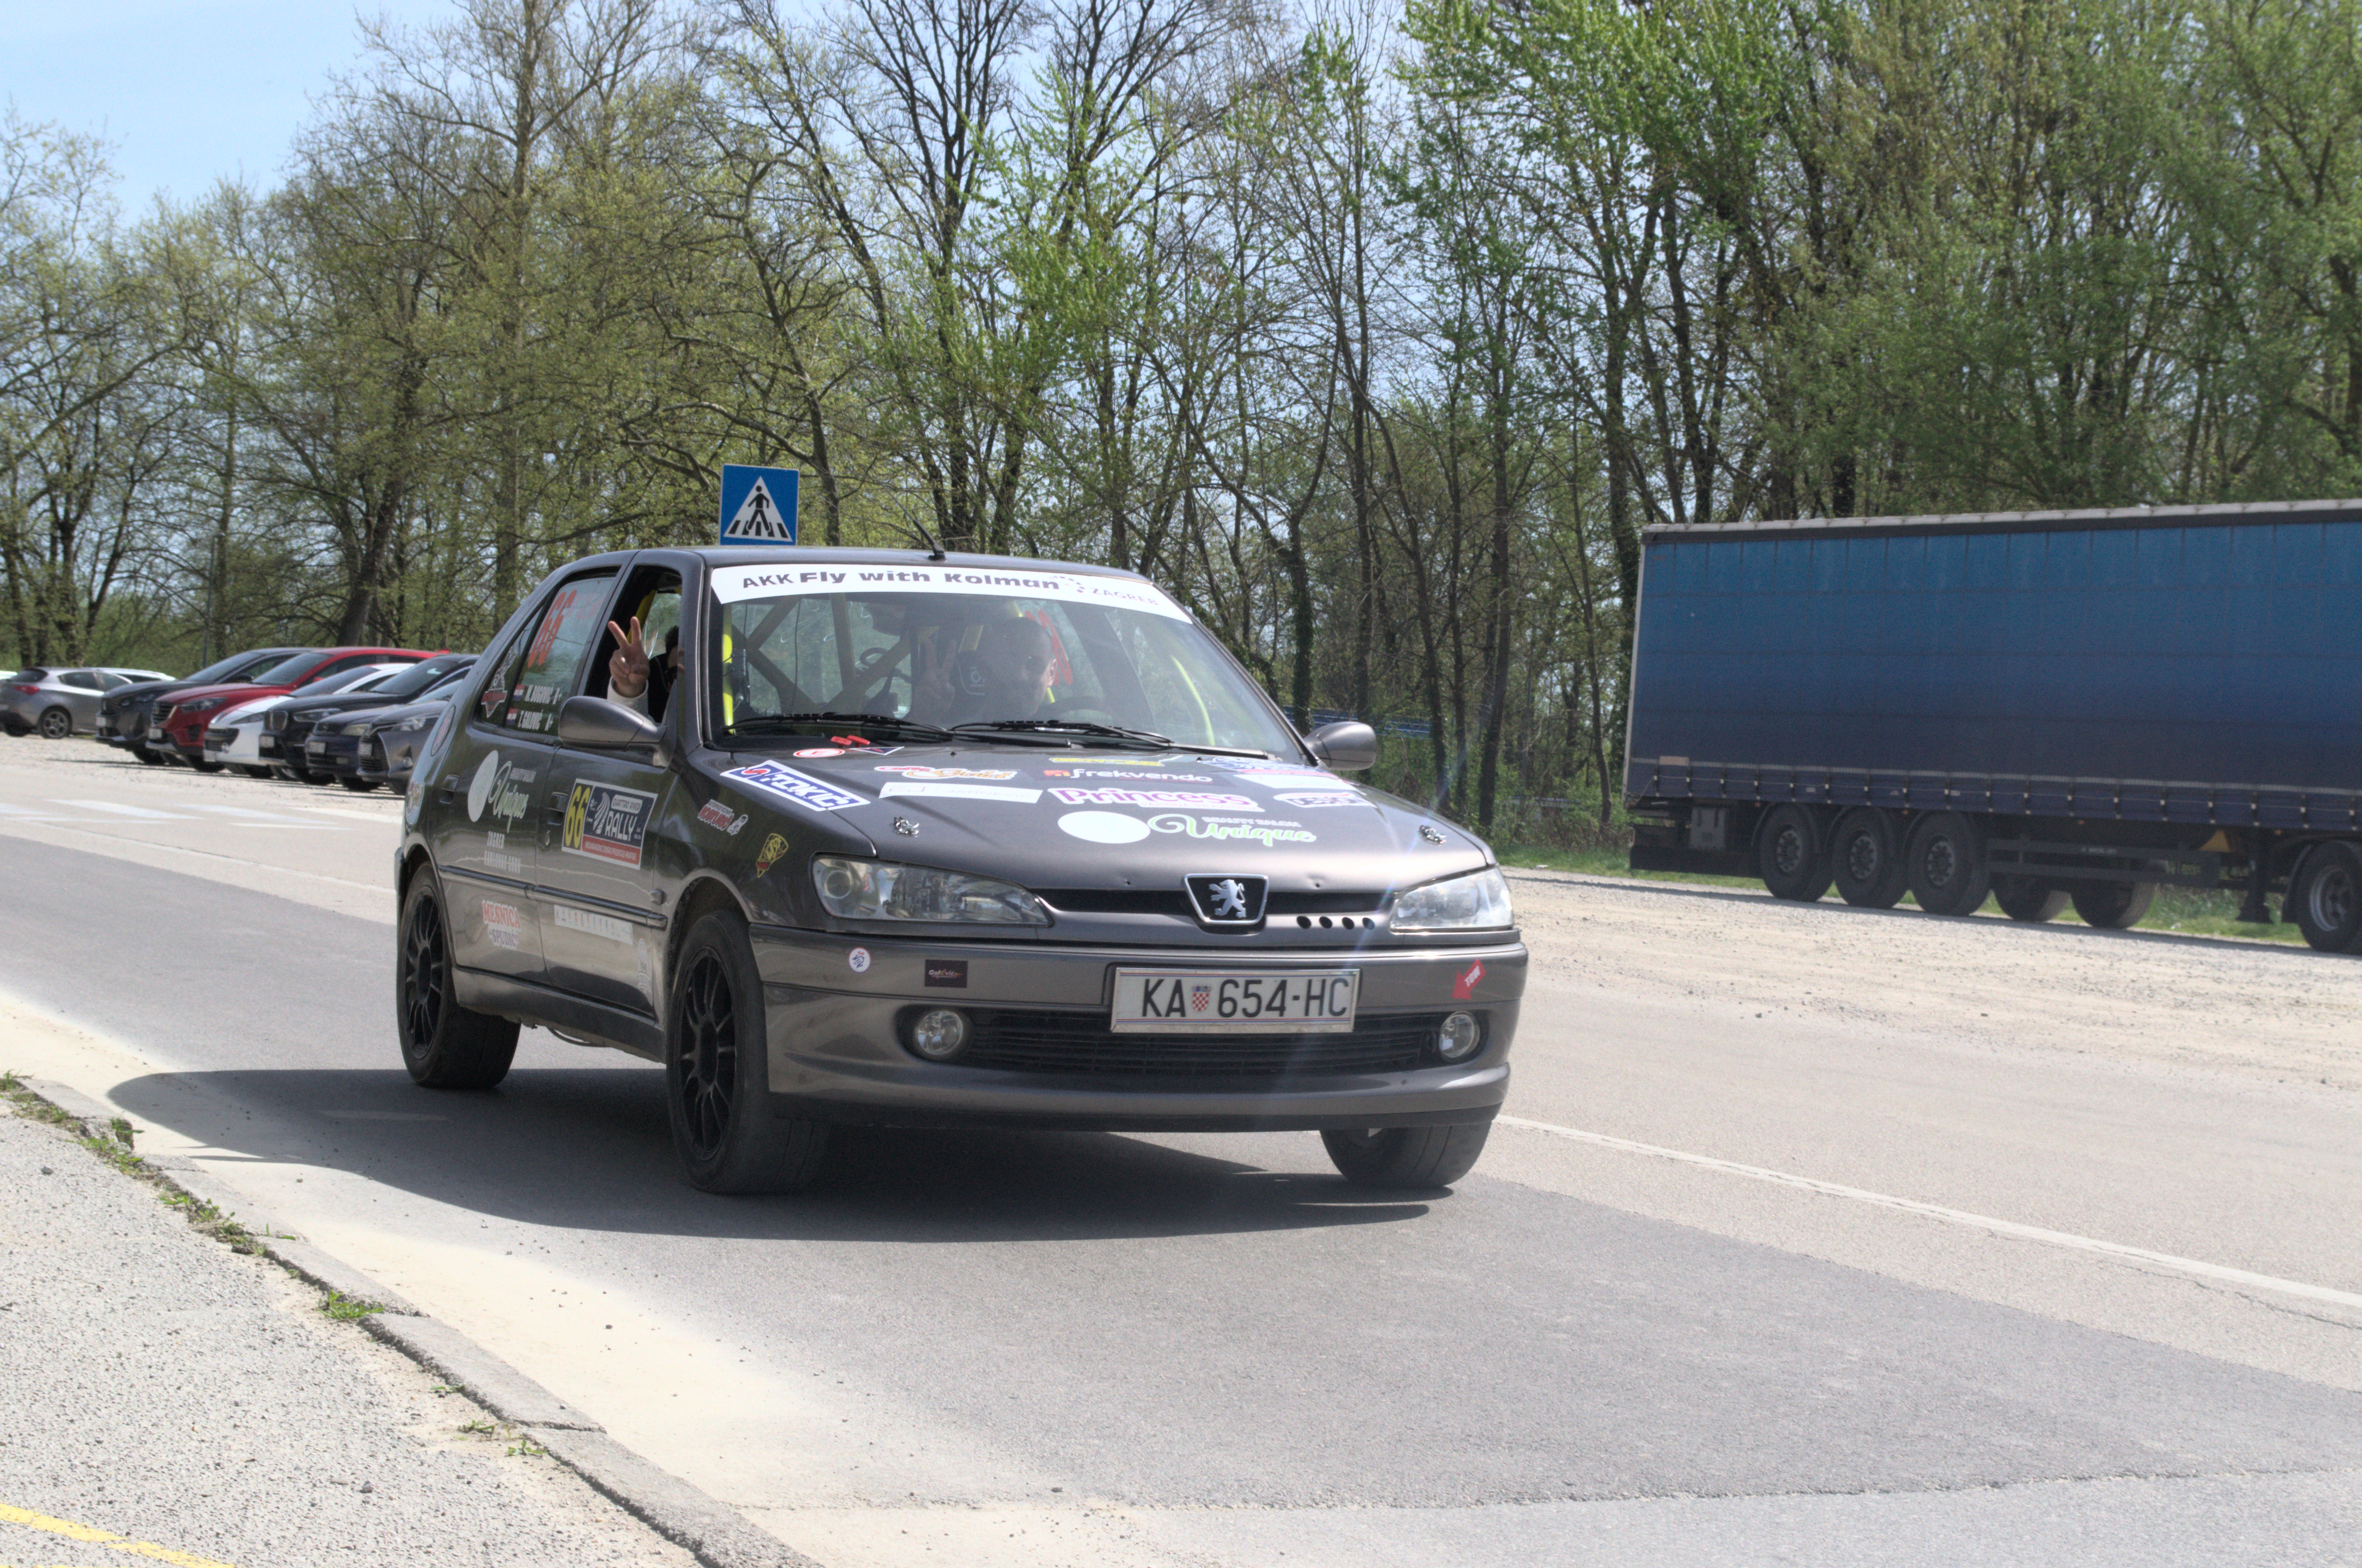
758, 505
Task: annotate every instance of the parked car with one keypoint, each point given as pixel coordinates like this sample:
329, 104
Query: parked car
125, 714
924, 842
239, 738
292, 723
60, 702
350, 746
179, 722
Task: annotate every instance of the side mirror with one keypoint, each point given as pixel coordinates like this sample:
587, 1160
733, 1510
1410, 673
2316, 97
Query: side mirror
1348, 748
594, 724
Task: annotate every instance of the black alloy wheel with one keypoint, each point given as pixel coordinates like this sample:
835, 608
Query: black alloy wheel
717, 1072
1407, 1157
1789, 855
2112, 906
444, 1045
2029, 899
56, 724
2325, 899
1865, 861
1948, 870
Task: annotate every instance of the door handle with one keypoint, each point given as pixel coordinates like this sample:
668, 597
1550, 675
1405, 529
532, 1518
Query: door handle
553, 813
450, 786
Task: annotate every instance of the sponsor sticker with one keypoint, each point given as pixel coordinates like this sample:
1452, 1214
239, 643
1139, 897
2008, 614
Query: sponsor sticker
734, 584
1464, 986
1017, 793
1098, 759
1265, 833
506, 864
1292, 779
496, 841
947, 972
773, 847
590, 923
1103, 827
714, 814
498, 790
821, 751
607, 824
778, 779
1310, 800
917, 771
1118, 773
500, 924
857, 960
1203, 798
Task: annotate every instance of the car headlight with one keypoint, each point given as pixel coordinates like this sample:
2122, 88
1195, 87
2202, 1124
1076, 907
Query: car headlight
415, 721
872, 890
1477, 902
207, 706
360, 729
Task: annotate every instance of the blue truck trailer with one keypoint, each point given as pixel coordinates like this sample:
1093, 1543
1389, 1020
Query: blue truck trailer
2048, 708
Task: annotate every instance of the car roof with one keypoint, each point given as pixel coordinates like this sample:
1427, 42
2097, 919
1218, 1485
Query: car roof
789, 555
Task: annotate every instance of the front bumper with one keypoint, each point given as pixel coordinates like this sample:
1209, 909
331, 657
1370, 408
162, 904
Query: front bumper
339, 755
835, 1052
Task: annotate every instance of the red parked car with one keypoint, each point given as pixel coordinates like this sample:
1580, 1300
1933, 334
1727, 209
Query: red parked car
179, 722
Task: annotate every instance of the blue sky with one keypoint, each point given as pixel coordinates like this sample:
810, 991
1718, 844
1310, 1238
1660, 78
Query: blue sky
186, 90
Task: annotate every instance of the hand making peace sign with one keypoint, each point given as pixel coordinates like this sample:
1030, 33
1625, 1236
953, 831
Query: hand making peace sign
627, 671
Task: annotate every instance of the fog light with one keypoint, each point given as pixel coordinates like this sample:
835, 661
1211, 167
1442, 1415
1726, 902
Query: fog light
940, 1033
1458, 1039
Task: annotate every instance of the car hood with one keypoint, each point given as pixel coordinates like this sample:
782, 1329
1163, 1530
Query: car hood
244, 691
1109, 821
246, 713
380, 717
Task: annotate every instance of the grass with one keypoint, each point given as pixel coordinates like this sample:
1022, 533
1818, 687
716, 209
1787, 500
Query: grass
347, 1309
2192, 911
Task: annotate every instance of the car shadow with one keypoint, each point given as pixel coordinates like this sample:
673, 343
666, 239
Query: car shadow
589, 1149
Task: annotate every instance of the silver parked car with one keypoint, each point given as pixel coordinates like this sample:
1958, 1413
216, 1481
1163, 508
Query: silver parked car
61, 702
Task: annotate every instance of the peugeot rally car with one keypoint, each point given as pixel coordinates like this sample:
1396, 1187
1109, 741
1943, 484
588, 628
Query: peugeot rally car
879, 838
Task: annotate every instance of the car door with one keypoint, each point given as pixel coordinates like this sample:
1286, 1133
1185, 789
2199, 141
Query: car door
600, 881
486, 845
82, 696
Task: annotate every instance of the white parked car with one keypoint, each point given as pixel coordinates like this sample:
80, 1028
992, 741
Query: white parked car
240, 739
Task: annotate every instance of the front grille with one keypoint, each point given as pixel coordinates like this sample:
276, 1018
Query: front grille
1030, 1042
220, 740
1173, 901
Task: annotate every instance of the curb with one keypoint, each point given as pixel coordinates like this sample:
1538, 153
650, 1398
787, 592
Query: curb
715, 1533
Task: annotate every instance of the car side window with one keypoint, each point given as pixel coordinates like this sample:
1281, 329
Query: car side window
544, 666
79, 680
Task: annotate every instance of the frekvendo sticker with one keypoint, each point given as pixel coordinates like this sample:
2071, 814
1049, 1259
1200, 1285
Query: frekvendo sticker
778, 778
1206, 799
1119, 773
607, 824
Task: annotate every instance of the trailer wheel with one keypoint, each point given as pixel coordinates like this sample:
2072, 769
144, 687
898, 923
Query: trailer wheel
2326, 899
2114, 906
1864, 860
1946, 865
2029, 899
1789, 856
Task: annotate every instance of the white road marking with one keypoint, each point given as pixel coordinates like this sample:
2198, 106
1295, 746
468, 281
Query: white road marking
26, 813
142, 812
357, 816
2191, 1266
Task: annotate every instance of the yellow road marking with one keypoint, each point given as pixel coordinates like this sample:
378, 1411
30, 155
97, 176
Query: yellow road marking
106, 1537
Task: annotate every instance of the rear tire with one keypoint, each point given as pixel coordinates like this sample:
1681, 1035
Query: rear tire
56, 724
443, 1043
2325, 900
1789, 855
2114, 906
1865, 861
202, 766
717, 1072
1948, 870
149, 758
1414, 1157
2029, 899
254, 772
358, 786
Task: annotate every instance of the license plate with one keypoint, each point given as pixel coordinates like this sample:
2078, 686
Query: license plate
1234, 1001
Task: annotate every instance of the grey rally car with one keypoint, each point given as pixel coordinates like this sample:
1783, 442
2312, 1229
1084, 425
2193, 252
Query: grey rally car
888, 839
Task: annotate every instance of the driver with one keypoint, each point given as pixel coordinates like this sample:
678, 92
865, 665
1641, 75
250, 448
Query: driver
1008, 675
635, 682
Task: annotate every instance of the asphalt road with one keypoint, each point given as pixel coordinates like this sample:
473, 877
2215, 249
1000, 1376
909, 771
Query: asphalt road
1042, 1348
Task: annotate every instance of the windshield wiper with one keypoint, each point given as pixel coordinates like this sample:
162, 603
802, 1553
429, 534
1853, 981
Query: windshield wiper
1063, 726
888, 721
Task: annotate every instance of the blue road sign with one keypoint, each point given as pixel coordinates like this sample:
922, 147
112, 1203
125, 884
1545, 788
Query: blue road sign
758, 505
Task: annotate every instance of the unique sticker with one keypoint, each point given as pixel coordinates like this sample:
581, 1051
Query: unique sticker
732, 584
607, 824
918, 770
773, 847
821, 751
857, 960
502, 926
590, 923
714, 814
778, 779
1103, 827
947, 972
1204, 799
1018, 793
496, 789
1310, 801
1263, 833
1119, 773
1464, 986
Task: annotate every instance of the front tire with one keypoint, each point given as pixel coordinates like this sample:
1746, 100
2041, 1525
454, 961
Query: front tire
443, 1043
56, 725
149, 758
717, 1072
1865, 860
2326, 899
1789, 856
2114, 906
1414, 1157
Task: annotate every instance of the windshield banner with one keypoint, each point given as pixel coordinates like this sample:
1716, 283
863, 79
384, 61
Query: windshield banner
732, 584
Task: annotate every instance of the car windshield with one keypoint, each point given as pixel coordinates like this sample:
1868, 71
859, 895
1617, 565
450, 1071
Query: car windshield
411, 679
355, 680
288, 671
1070, 659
